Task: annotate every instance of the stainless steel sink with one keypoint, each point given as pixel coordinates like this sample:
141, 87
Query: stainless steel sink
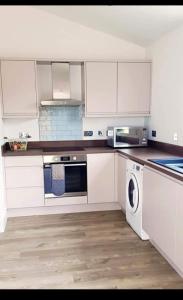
174, 163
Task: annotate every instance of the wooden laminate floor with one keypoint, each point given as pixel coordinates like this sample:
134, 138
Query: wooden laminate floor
82, 250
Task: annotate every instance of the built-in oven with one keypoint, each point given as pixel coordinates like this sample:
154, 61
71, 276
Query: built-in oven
65, 175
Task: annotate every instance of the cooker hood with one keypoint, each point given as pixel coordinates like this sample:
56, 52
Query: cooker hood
61, 88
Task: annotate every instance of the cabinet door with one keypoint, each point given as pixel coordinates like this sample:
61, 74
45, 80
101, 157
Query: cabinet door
19, 88
23, 177
179, 232
1, 99
121, 181
44, 81
134, 88
25, 197
159, 210
100, 174
101, 87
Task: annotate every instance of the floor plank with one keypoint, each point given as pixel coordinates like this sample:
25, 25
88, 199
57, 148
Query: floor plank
83, 251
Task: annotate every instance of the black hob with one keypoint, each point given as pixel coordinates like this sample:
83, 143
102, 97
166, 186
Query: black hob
63, 149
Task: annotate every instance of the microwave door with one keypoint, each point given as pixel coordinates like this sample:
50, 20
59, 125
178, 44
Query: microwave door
125, 138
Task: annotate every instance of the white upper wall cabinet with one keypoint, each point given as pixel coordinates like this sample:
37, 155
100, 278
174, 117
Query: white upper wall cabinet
44, 80
101, 88
134, 88
19, 88
118, 88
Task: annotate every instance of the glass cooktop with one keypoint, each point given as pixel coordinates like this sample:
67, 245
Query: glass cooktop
62, 149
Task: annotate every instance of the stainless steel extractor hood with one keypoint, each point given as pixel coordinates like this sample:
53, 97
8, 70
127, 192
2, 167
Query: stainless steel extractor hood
61, 88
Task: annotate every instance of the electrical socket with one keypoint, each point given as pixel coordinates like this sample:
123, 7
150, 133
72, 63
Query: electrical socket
175, 137
101, 132
154, 133
88, 132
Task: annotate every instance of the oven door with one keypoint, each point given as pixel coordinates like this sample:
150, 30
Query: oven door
75, 180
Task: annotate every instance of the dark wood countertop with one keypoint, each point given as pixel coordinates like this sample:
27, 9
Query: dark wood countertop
32, 152
139, 155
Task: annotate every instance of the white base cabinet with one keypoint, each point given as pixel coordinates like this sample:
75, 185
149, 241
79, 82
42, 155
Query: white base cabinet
100, 177
163, 214
24, 181
179, 234
25, 197
120, 165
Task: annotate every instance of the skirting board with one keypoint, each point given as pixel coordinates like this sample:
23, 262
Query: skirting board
175, 267
62, 209
3, 221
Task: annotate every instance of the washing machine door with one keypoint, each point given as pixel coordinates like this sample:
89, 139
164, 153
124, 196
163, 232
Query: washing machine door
132, 194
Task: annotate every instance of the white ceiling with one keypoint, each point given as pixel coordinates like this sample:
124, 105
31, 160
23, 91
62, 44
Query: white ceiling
139, 24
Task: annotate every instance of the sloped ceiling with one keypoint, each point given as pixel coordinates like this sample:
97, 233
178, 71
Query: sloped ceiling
138, 24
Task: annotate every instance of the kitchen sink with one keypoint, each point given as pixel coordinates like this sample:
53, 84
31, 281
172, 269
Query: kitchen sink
174, 163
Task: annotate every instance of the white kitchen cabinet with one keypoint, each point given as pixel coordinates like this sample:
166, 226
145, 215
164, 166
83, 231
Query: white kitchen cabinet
161, 195
134, 88
1, 94
117, 88
23, 161
100, 177
24, 176
19, 88
121, 181
101, 88
24, 181
66, 201
44, 80
25, 197
179, 232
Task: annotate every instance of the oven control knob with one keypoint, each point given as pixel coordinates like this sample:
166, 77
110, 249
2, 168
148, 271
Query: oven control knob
56, 159
74, 158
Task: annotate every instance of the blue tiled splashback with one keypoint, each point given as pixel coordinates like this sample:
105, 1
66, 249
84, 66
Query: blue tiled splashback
60, 123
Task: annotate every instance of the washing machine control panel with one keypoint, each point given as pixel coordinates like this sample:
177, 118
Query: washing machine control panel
136, 167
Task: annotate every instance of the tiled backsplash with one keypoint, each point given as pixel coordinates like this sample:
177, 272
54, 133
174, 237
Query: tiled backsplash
60, 123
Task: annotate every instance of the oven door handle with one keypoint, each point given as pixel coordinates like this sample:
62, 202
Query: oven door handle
74, 165
47, 166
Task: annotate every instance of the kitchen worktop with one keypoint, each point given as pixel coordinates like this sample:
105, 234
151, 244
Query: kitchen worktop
62, 151
140, 155
60, 148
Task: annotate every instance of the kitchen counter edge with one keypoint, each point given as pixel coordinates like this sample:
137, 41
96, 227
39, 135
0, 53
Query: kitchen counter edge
139, 155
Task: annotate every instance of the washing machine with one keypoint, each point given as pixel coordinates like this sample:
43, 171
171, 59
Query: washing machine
134, 197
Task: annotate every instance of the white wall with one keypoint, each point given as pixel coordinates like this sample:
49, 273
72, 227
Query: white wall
27, 32
101, 124
12, 127
167, 87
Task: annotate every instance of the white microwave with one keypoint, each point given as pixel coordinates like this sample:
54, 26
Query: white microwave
127, 136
